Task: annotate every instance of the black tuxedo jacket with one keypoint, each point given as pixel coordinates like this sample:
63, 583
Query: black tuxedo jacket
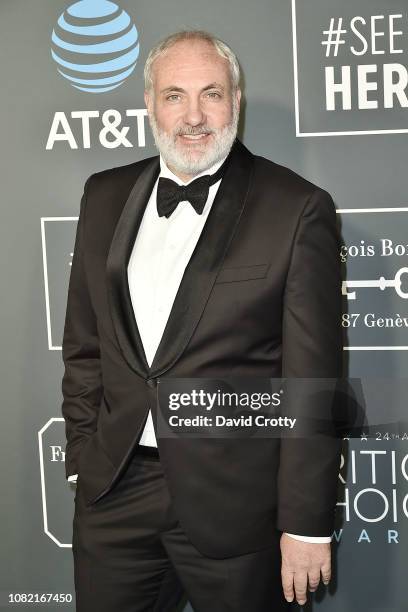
260, 297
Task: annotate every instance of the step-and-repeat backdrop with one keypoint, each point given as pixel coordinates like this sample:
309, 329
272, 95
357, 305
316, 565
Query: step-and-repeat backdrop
326, 93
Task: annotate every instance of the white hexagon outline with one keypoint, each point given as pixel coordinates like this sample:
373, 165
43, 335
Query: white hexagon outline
43, 491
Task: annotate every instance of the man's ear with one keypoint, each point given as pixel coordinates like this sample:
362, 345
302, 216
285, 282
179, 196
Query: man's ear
148, 101
238, 95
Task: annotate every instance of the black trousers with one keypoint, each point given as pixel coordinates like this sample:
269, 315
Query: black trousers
132, 555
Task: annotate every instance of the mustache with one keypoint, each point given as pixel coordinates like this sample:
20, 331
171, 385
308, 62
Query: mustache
193, 131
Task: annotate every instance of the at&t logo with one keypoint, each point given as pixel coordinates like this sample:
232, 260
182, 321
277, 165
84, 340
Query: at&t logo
95, 45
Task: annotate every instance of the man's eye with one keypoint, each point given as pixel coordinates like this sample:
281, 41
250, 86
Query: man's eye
173, 97
213, 94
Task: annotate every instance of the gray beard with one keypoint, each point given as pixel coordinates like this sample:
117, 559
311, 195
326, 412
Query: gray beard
182, 161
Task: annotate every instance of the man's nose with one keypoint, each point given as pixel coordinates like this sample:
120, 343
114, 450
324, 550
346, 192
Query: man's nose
194, 113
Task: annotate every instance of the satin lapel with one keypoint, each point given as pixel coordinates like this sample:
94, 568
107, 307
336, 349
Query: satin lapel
206, 260
120, 250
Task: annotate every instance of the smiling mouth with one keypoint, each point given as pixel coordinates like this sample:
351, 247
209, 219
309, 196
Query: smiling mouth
194, 137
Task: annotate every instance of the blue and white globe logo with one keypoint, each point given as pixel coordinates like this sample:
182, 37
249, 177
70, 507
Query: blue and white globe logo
95, 45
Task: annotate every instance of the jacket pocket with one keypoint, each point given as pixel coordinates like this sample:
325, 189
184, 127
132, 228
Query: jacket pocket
242, 273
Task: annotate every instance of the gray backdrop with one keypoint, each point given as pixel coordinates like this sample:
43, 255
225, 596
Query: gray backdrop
353, 143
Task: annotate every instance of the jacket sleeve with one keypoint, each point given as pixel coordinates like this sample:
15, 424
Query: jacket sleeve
311, 349
82, 380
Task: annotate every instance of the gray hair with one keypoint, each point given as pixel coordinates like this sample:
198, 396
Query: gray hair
220, 46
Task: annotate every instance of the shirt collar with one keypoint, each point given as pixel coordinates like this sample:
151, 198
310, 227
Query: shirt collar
167, 173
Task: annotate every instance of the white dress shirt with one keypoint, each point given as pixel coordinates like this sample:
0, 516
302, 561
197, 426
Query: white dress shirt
161, 252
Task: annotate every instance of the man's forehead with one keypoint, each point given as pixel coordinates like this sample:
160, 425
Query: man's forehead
190, 56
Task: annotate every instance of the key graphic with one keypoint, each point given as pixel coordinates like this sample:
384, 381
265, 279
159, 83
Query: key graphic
382, 283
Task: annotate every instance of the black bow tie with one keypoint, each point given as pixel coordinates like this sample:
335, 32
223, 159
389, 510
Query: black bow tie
169, 193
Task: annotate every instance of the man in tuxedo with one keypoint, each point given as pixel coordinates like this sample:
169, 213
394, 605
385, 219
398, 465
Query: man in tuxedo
205, 261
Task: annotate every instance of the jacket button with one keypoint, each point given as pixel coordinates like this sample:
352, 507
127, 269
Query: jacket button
152, 383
